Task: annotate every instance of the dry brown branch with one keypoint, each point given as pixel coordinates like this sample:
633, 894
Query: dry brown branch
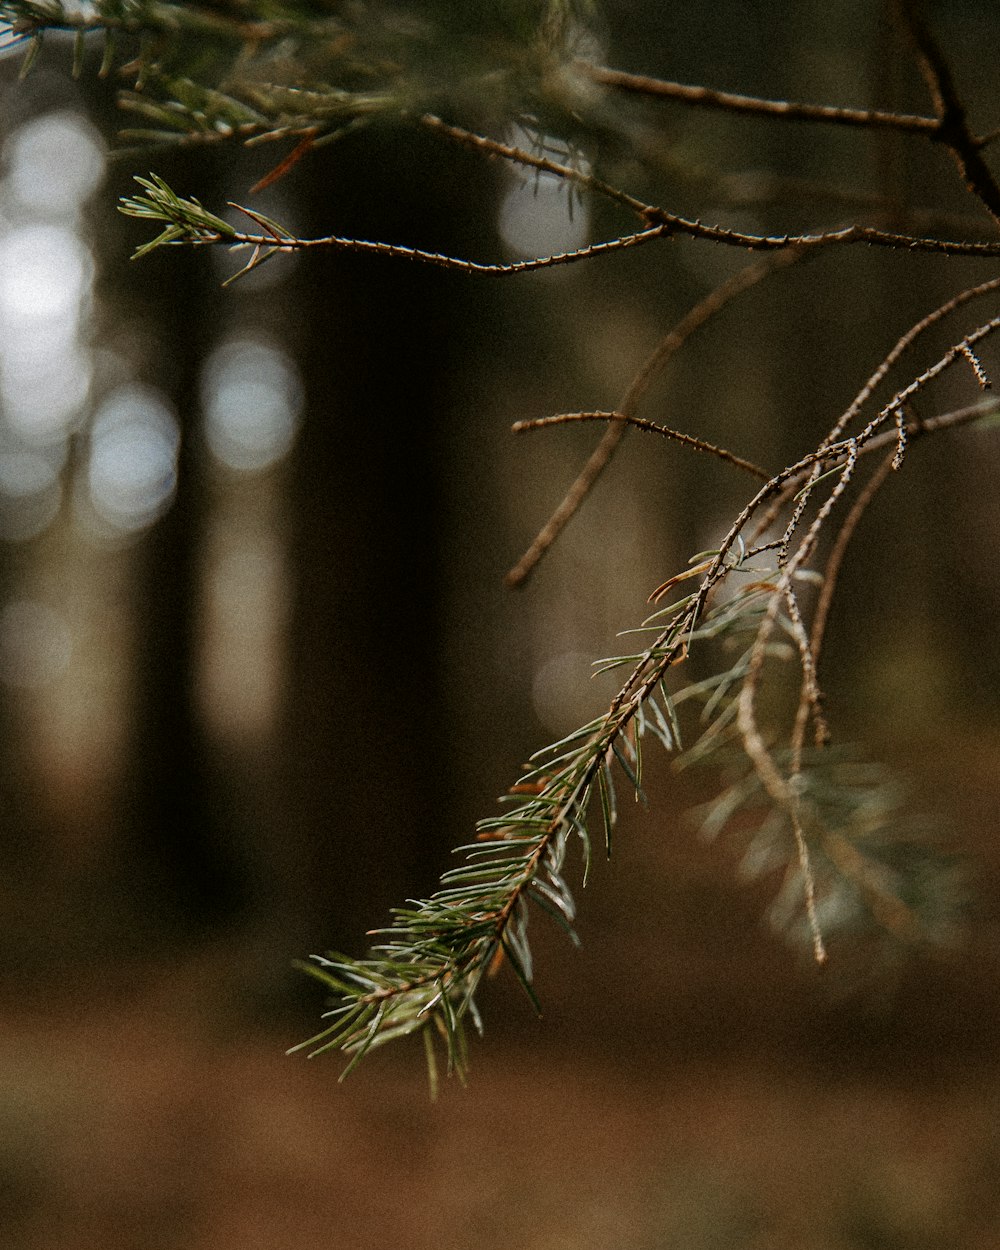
831, 573
675, 338
811, 694
650, 427
952, 128
662, 225
903, 345
785, 110
398, 251
976, 365
845, 236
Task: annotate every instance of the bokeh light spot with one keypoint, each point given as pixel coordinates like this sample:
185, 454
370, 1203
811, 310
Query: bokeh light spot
252, 397
132, 472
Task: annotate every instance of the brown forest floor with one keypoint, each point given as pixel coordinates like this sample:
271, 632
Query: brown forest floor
691, 1086
130, 1130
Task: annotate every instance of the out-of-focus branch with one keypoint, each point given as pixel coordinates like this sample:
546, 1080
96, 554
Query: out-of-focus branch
952, 129
787, 110
669, 345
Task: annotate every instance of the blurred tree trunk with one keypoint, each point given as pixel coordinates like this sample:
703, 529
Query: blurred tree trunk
176, 825
367, 744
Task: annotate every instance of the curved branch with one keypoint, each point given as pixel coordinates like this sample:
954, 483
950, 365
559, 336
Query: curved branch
650, 427
952, 129
669, 345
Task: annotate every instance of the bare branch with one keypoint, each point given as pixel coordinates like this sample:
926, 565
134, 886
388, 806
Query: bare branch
651, 427
669, 345
658, 88
952, 128
905, 342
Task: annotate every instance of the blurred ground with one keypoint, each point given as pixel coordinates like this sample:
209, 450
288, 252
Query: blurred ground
692, 1085
129, 1128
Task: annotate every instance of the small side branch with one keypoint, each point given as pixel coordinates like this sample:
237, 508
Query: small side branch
518, 156
399, 251
671, 343
650, 427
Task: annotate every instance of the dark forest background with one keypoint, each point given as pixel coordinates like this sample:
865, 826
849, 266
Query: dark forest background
261, 673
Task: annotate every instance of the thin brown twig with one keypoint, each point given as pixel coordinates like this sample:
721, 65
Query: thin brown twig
662, 224
669, 345
831, 573
783, 109
902, 345
519, 156
651, 427
811, 693
399, 251
801, 503
976, 365
952, 129
845, 236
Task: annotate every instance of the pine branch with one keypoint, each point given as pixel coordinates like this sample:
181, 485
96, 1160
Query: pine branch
425, 974
217, 74
162, 204
198, 70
